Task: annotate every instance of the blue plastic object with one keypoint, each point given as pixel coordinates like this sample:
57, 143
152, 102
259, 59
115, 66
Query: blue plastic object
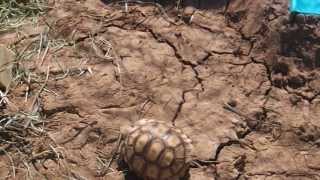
311, 7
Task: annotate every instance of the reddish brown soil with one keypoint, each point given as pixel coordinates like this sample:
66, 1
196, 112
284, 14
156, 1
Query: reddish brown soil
244, 53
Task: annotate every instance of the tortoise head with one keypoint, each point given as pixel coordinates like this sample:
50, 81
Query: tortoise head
125, 130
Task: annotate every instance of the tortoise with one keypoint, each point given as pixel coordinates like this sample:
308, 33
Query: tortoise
156, 150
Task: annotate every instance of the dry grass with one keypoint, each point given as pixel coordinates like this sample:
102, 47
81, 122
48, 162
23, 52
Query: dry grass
19, 129
13, 13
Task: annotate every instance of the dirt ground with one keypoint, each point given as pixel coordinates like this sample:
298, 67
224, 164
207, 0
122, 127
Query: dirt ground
183, 66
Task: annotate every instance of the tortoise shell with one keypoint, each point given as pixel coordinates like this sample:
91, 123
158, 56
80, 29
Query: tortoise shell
155, 150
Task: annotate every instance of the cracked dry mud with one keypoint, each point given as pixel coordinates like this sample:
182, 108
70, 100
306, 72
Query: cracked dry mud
243, 53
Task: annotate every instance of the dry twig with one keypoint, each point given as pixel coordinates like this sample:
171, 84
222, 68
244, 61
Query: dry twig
36, 98
113, 157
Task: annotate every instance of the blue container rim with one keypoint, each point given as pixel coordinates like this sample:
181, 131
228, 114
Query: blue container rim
294, 8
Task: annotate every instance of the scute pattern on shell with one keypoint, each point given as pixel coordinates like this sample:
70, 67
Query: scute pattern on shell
155, 150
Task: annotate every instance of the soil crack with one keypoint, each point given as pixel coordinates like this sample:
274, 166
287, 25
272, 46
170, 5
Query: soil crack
179, 108
159, 38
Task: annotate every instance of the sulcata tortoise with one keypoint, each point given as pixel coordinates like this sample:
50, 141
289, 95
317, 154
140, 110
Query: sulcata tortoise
156, 150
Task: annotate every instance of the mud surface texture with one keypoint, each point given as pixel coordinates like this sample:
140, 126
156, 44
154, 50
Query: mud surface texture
191, 67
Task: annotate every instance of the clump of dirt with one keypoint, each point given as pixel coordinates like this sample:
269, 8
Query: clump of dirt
239, 78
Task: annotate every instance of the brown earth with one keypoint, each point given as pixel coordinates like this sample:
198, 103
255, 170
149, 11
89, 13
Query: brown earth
166, 66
